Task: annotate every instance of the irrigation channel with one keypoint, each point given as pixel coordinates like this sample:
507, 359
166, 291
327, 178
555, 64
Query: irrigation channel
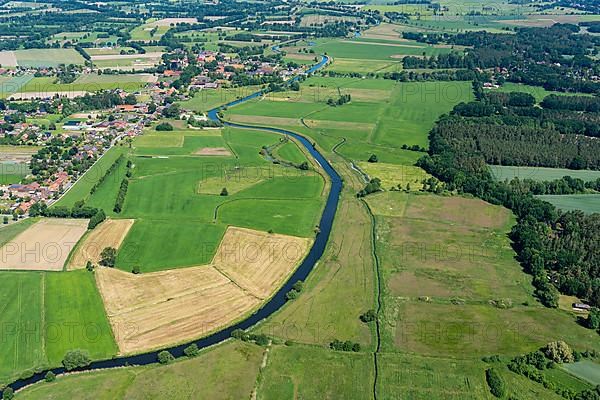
279, 299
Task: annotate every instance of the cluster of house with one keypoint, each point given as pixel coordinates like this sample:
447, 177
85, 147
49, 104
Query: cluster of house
22, 197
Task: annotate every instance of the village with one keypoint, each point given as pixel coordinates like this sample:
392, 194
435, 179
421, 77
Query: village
84, 137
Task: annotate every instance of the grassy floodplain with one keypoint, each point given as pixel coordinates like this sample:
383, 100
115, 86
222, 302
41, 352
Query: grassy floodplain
47, 314
175, 191
501, 173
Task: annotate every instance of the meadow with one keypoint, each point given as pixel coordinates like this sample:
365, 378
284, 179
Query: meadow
501, 173
451, 285
165, 200
536, 91
588, 203
47, 57
45, 315
88, 83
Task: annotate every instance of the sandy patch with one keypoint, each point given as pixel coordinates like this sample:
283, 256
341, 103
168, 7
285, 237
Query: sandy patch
146, 56
212, 151
257, 120
163, 308
8, 59
44, 246
71, 94
257, 261
169, 21
110, 233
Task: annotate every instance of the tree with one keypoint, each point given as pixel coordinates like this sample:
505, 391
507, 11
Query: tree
108, 257
224, 192
136, 270
50, 376
192, 350
495, 382
373, 158
593, 319
559, 352
5, 220
76, 359
303, 166
164, 357
164, 127
89, 266
369, 316
8, 393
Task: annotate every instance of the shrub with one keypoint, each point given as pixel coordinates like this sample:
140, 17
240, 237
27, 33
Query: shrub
224, 192
373, 158
50, 376
8, 394
369, 316
495, 382
136, 270
76, 359
98, 218
164, 357
192, 350
108, 257
559, 352
164, 127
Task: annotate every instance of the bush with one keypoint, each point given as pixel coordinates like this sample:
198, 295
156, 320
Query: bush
224, 192
50, 376
369, 316
8, 394
192, 350
76, 359
98, 218
108, 257
136, 270
495, 382
164, 127
164, 357
373, 158
559, 352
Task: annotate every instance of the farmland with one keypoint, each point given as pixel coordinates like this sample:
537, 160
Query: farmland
246, 269
502, 173
589, 203
52, 313
443, 263
41, 57
88, 83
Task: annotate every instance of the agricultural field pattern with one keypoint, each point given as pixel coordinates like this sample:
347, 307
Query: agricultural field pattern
269, 200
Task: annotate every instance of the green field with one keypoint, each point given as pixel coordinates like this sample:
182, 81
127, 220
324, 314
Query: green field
589, 203
451, 284
205, 100
501, 173
12, 172
174, 194
47, 57
89, 83
536, 91
240, 362
586, 370
47, 314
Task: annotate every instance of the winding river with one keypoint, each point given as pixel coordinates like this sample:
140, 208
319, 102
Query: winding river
275, 302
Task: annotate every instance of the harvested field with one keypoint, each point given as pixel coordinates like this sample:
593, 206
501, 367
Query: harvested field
44, 246
150, 55
257, 120
213, 151
259, 262
153, 310
47, 95
174, 21
162, 308
8, 59
17, 154
110, 233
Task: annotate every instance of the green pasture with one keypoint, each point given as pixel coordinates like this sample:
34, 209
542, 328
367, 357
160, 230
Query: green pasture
502, 172
586, 370
47, 57
89, 83
290, 152
205, 100
588, 203
536, 91
45, 315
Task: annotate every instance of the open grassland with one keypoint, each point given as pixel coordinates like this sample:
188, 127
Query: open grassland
205, 100
110, 233
395, 176
451, 284
171, 306
238, 361
586, 370
47, 57
381, 116
11, 172
501, 173
127, 61
81, 189
151, 30
46, 314
588, 203
43, 246
305, 372
87, 83
536, 91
